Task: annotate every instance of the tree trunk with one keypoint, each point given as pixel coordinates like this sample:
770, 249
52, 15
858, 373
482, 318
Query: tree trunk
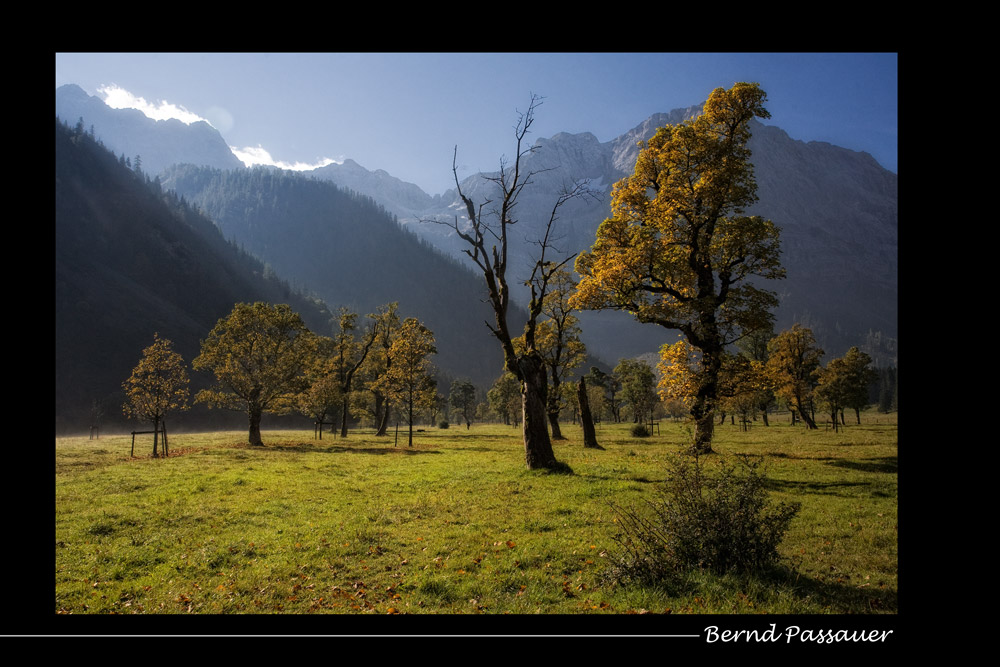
552, 401
343, 419
554, 423
764, 417
383, 426
586, 419
703, 409
806, 417
156, 435
409, 442
857, 415
534, 385
254, 437
704, 428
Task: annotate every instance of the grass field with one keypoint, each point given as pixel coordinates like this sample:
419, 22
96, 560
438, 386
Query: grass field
455, 524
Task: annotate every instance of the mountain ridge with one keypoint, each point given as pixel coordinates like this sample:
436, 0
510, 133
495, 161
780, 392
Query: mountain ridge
837, 209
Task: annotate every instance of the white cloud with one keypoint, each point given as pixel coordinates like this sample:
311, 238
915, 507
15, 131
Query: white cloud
117, 97
257, 155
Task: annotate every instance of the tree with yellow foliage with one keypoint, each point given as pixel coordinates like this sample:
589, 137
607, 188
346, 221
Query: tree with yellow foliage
158, 384
259, 355
793, 365
409, 378
679, 251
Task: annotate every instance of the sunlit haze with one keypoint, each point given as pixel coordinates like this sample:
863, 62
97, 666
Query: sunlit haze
119, 98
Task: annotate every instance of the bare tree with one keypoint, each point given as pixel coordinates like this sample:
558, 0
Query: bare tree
487, 235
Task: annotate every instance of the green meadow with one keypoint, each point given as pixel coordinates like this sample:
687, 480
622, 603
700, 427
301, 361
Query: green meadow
453, 525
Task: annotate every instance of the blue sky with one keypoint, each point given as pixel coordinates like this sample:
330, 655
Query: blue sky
405, 112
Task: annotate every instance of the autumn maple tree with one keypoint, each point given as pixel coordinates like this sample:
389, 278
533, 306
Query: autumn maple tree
679, 250
158, 384
259, 355
793, 367
409, 380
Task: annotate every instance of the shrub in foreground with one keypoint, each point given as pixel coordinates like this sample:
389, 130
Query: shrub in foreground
720, 521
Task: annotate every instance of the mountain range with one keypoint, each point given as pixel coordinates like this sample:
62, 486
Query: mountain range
366, 237
837, 210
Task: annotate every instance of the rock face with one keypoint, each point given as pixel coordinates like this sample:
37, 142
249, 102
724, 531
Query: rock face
160, 143
837, 210
396, 196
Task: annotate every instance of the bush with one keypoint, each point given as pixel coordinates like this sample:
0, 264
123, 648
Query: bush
721, 522
443, 424
640, 431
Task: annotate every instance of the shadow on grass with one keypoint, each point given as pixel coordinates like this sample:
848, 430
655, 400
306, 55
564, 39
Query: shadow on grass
837, 596
343, 448
824, 488
885, 464
780, 586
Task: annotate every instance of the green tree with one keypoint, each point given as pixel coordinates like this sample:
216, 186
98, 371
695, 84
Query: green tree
861, 376
158, 384
259, 355
638, 387
832, 388
844, 383
679, 251
611, 386
463, 398
505, 397
792, 366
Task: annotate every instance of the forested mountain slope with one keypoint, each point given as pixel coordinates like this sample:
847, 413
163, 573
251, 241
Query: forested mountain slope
350, 252
131, 260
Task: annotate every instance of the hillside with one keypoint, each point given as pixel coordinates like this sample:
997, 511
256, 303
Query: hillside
128, 132
131, 261
837, 210
350, 252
